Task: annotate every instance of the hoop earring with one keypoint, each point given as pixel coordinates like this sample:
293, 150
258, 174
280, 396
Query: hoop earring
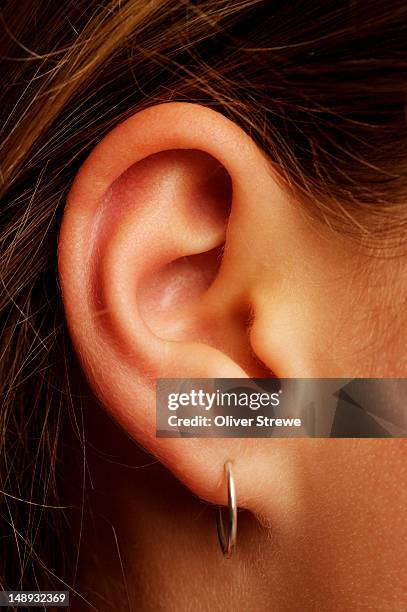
228, 542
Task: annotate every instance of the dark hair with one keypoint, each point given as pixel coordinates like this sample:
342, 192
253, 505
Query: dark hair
321, 86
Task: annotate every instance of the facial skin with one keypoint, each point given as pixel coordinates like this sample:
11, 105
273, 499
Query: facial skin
182, 254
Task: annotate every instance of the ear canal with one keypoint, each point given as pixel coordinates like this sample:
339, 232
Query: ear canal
174, 288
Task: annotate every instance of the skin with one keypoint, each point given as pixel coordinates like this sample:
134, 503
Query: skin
257, 287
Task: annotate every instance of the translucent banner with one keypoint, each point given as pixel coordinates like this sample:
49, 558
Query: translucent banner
282, 408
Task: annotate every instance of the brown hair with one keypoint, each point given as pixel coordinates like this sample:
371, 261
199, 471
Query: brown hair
321, 86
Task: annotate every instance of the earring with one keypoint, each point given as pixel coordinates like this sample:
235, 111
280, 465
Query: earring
228, 541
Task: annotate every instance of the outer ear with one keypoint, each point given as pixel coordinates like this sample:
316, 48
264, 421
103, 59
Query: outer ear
176, 237
152, 286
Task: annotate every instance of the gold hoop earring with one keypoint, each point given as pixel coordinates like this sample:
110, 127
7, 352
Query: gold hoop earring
228, 541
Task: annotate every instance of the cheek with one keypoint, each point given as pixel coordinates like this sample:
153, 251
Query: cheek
350, 540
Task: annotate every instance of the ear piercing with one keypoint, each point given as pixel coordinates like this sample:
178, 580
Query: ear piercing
228, 541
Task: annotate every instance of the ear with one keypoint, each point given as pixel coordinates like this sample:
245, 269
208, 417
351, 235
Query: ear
182, 255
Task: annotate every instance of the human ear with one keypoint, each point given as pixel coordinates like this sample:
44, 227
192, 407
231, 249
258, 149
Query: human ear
181, 254
152, 283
